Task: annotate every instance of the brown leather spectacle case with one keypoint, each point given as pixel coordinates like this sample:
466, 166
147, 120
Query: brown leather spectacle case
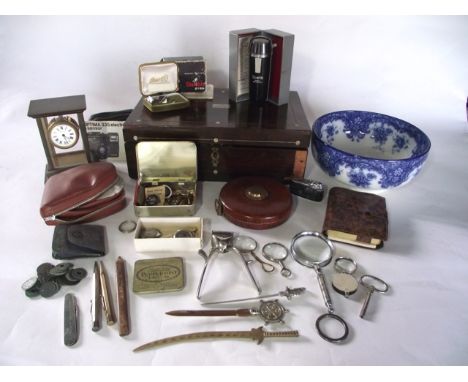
82, 194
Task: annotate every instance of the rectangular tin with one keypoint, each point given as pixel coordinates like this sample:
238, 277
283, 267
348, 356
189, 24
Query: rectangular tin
159, 275
169, 163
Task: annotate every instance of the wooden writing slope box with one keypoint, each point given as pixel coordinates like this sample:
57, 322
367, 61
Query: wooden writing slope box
232, 139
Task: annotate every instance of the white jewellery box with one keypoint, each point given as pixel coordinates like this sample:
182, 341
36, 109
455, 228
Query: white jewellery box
170, 234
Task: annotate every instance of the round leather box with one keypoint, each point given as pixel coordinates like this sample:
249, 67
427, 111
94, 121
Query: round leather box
255, 202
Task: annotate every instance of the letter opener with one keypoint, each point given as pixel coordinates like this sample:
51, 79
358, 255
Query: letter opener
288, 293
256, 334
269, 311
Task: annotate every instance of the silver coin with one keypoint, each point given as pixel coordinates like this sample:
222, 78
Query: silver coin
30, 283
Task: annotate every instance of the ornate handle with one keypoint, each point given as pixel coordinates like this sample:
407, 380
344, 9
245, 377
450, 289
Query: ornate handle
324, 289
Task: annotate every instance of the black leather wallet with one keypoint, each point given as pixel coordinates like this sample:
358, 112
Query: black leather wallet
78, 240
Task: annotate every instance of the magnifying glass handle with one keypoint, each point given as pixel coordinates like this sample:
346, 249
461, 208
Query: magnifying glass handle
324, 289
285, 272
267, 267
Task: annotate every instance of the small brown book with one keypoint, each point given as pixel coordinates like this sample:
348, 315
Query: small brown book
356, 218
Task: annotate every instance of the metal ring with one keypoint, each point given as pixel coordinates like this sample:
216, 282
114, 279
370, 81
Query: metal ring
384, 284
268, 256
325, 336
309, 263
170, 192
184, 233
285, 272
341, 269
127, 226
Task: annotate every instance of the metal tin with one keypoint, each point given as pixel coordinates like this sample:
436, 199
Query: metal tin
169, 164
159, 275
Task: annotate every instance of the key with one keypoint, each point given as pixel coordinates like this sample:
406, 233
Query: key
373, 284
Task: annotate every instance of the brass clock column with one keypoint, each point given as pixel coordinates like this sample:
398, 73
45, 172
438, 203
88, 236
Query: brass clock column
63, 131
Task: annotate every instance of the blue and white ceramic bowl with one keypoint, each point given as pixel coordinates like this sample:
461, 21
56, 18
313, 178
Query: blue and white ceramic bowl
369, 150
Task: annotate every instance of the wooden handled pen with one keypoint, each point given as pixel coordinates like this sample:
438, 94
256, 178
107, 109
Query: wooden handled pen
122, 296
106, 296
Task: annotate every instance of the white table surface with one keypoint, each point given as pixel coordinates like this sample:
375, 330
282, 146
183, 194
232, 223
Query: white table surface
421, 321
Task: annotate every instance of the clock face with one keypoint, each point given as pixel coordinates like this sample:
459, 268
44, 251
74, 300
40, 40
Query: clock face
63, 134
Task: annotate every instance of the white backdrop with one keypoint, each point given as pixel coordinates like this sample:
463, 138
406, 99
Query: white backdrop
410, 67
414, 68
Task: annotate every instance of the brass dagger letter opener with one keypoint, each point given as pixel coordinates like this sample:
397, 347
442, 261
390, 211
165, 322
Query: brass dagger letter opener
256, 334
270, 311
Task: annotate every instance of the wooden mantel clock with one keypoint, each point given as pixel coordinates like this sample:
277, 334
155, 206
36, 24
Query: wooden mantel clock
62, 130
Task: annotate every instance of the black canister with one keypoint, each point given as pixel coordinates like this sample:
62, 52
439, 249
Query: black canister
260, 63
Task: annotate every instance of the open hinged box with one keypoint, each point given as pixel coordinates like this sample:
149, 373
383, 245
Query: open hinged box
159, 83
167, 178
169, 234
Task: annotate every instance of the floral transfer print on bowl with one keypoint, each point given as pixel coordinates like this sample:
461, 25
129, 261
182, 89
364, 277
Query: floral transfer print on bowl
369, 150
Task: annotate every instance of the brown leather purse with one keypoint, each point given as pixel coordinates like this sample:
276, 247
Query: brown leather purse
82, 194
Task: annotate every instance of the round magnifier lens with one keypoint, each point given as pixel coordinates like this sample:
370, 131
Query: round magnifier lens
378, 285
245, 243
312, 249
332, 328
275, 251
345, 265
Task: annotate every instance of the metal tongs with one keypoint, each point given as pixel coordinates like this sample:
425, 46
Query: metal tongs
223, 242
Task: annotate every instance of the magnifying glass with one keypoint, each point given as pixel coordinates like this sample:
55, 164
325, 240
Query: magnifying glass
313, 250
277, 253
248, 245
245, 243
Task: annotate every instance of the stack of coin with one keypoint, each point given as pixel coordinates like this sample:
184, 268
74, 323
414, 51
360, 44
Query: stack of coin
50, 279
